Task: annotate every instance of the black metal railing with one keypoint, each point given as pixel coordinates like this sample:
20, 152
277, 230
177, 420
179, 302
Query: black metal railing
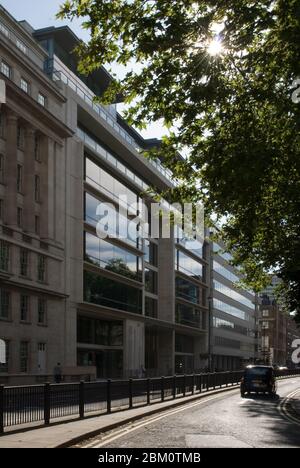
23, 405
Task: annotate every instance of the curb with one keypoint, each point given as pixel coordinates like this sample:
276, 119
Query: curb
110, 427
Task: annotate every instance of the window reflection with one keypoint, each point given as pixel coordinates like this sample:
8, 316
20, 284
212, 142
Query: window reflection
113, 223
99, 332
107, 292
188, 315
150, 281
187, 290
111, 257
109, 185
188, 265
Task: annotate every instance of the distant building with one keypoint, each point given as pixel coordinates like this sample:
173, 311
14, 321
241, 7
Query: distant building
233, 338
277, 329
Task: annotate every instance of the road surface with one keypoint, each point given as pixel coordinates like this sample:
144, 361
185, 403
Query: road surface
224, 420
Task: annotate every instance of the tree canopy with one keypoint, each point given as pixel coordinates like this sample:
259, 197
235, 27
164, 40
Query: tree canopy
233, 110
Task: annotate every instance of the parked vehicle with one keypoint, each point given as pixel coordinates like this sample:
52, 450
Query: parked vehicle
258, 379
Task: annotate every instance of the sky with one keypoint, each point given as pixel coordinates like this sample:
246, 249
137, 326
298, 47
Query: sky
40, 14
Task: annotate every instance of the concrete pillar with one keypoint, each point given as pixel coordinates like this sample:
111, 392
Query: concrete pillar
166, 280
134, 348
166, 352
29, 181
11, 169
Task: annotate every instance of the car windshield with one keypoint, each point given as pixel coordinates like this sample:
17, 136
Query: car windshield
259, 371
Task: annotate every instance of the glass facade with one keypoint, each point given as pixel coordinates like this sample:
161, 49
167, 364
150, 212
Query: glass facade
150, 281
114, 224
99, 332
109, 185
218, 268
108, 362
187, 290
110, 293
233, 294
4, 255
150, 252
220, 305
189, 315
188, 265
111, 257
4, 304
231, 326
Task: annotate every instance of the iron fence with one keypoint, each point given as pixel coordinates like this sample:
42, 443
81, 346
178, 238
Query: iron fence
47, 403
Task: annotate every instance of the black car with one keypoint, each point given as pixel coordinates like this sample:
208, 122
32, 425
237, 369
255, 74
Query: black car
258, 379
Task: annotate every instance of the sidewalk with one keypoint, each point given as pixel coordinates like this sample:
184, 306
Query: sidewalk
60, 435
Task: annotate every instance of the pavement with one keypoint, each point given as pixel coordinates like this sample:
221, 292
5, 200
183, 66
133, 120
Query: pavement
69, 433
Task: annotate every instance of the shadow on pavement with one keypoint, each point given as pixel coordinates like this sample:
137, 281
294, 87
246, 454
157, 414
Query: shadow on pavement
285, 432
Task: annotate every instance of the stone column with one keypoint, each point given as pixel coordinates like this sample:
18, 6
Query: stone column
11, 169
29, 181
166, 280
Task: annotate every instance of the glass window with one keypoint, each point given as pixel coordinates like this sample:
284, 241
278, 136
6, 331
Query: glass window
150, 250
221, 270
1, 168
227, 342
4, 304
112, 257
19, 178
99, 332
24, 262
41, 273
37, 148
109, 185
187, 290
220, 305
234, 294
110, 293
24, 85
37, 190
20, 136
21, 46
24, 354
4, 255
118, 226
42, 303
150, 307
189, 266
150, 281
4, 30
42, 99
24, 308
6, 69
188, 315
231, 326
4, 366
265, 313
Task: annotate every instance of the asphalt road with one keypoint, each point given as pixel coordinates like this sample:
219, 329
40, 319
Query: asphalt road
224, 420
